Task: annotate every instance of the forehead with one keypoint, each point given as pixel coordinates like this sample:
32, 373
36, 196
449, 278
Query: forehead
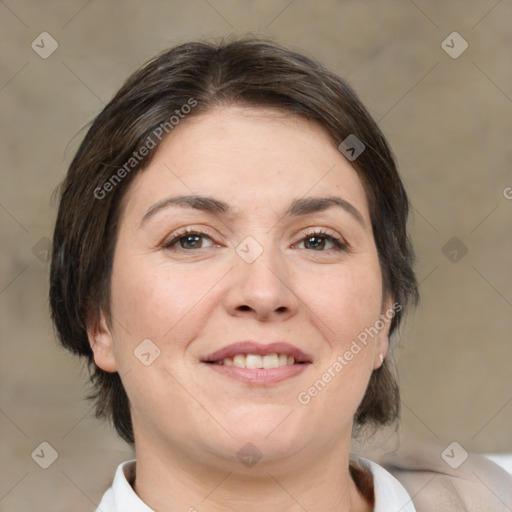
248, 157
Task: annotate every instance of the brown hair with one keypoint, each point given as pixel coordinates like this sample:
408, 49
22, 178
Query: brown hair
202, 75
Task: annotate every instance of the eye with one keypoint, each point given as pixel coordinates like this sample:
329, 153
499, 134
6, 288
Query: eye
321, 241
188, 239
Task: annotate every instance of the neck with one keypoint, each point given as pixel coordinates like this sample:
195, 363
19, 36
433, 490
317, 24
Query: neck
174, 481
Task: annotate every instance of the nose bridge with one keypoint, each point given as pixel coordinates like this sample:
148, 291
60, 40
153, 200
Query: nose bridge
260, 278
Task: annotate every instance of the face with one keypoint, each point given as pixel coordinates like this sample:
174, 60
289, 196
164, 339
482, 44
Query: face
239, 310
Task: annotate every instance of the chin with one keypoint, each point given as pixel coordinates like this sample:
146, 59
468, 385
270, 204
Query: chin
276, 436
260, 454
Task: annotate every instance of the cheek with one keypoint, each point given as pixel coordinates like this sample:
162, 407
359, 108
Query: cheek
345, 301
157, 302
167, 307
345, 306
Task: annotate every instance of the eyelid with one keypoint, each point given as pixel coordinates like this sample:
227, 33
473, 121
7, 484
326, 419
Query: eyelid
175, 236
319, 231
339, 242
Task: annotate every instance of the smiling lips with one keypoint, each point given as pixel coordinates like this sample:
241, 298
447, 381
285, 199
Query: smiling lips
259, 363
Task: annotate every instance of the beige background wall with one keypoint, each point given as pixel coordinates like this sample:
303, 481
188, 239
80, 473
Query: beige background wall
448, 119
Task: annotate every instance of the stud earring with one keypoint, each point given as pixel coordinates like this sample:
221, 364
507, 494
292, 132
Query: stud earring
381, 359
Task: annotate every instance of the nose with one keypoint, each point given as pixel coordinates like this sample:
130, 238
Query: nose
262, 289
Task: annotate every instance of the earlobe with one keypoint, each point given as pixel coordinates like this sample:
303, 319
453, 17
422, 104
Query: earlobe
102, 344
382, 342
381, 348
379, 360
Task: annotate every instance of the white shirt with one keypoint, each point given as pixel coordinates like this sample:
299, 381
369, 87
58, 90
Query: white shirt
390, 495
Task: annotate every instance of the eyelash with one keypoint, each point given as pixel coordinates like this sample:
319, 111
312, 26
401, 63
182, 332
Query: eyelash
339, 244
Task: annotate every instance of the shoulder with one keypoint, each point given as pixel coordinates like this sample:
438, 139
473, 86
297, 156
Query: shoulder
477, 484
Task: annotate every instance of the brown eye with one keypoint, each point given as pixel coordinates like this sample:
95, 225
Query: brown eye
321, 241
188, 240
315, 242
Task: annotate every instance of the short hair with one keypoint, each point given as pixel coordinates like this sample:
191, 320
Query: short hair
204, 75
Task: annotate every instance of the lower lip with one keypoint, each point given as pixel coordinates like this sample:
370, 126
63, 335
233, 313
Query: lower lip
259, 375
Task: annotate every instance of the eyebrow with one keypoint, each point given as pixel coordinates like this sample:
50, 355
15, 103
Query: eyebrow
298, 207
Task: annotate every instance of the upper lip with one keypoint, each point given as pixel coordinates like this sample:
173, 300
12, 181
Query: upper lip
259, 348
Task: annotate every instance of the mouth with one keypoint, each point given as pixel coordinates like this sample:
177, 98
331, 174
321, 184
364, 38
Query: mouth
259, 363
254, 361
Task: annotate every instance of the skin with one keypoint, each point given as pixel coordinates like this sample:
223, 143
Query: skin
189, 421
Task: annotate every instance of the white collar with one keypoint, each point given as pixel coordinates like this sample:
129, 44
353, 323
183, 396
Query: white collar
390, 495
121, 497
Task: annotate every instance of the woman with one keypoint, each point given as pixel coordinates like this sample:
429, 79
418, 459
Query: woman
231, 257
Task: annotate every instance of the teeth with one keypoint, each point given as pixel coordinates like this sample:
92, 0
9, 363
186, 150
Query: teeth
239, 360
253, 361
270, 361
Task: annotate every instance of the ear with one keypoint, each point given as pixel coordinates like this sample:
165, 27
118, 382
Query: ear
388, 311
102, 344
